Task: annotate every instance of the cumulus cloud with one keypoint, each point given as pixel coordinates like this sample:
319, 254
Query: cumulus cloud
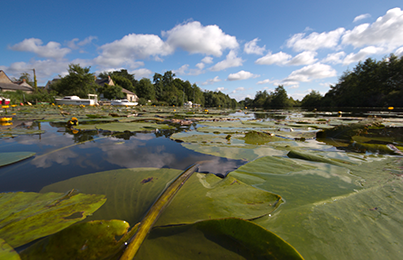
130, 48
142, 73
311, 72
362, 54
231, 61
196, 38
266, 81
240, 89
252, 48
279, 58
399, 52
304, 58
220, 89
184, 70
334, 58
315, 41
50, 50
361, 17
200, 65
386, 31
241, 75
76, 43
207, 60
211, 81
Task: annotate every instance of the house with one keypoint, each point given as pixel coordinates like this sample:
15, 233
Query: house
6, 84
130, 96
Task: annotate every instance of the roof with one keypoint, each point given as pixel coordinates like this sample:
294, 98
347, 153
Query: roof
127, 91
12, 86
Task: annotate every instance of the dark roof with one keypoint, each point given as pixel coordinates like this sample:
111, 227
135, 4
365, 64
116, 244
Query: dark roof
12, 86
101, 82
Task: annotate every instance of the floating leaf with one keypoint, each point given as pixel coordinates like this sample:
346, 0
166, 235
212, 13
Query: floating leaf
13, 157
130, 192
209, 197
26, 216
7, 252
216, 239
121, 127
154, 212
88, 240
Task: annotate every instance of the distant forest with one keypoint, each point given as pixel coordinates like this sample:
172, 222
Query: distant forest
370, 84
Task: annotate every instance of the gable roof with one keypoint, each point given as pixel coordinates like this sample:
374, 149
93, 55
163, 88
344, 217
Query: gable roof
7, 84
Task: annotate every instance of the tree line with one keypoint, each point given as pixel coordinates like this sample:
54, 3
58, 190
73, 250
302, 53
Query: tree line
163, 90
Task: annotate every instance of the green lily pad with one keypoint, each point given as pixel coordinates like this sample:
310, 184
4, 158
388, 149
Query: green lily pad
13, 157
121, 127
210, 197
88, 240
7, 252
216, 239
26, 216
131, 192
254, 137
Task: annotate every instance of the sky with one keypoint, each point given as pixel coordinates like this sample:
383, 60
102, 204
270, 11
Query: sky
236, 47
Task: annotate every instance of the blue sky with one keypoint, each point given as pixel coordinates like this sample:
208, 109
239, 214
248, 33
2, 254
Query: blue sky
237, 47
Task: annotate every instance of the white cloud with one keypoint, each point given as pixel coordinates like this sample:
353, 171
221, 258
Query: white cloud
315, 41
141, 73
182, 70
73, 45
195, 38
241, 75
311, 72
50, 50
238, 89
252, 48
399, 52
386, 31
304, 58
279, 58
211, 81
334, 58
231, 61
361, 17
221, 89
207, 60
362, 54
130, 48
200, 65
266, 81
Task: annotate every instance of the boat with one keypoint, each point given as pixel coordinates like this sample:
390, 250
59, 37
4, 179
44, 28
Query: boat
92, 100
4, 101
123, 102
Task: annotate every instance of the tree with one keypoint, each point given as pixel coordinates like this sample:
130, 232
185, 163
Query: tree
112, 92
145, 89
79, 82
122, 74
312, 100
280, 98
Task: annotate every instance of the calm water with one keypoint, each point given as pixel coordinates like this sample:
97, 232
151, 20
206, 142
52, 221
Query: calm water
62, 155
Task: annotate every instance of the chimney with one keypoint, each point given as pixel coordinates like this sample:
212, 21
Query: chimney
23, 80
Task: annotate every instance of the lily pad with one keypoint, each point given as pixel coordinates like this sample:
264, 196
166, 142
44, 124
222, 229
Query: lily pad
131, 192
121, 127
230, 238
88, 240
7, 252
13, 157
26, 216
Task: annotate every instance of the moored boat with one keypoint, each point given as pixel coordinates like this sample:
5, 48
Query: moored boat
75, 100
123, 102
4, 101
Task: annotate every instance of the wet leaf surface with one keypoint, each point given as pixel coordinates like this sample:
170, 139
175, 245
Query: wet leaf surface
26, 216
13, 157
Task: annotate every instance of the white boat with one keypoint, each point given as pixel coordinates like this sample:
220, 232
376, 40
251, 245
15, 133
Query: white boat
123, 102
92, 100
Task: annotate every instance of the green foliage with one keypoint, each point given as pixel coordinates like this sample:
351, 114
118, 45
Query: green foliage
111, 92
145, 89
41, 95
312, 100
370, 84
120, 74
123, 82
79, 82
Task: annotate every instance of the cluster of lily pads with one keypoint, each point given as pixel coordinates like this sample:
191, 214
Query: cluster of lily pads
329, 185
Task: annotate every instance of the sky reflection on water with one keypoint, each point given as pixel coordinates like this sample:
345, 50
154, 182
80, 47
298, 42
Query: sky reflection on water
60, 156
